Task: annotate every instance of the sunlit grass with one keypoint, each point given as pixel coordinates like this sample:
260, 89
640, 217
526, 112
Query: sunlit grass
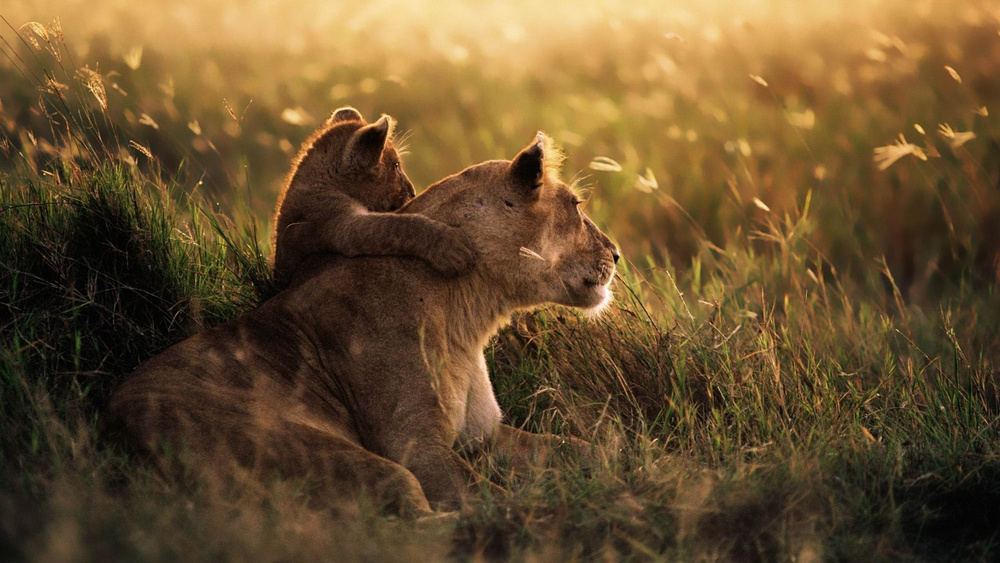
802, 358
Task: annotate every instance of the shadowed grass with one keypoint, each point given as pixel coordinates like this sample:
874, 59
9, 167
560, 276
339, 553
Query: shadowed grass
99, 273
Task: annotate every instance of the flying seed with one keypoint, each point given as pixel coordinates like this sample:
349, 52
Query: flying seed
145, 119
955, 138
605, 164
646, 183
295, 116
133, 59
886, 156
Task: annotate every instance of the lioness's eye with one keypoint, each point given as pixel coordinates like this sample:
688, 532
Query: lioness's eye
576, 202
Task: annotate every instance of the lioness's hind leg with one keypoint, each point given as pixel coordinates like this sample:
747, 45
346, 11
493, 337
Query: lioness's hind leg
342, 469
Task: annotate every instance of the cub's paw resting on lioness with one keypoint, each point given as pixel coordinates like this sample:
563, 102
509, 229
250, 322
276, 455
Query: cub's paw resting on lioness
451, 253
343, 187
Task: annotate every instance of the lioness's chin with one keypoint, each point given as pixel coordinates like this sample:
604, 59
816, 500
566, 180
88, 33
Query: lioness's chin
604, 297
593, 299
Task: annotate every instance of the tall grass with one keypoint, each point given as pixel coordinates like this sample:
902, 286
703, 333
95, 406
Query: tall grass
801, 361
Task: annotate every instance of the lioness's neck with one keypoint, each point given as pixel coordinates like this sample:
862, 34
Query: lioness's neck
475, 311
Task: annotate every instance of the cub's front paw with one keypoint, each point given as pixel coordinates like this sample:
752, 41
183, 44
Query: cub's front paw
453, 254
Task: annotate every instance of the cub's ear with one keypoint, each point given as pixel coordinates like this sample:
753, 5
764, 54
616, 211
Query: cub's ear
528, 166
365, 147
346, 113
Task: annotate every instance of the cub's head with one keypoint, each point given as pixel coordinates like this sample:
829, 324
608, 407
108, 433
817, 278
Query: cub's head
535, 243
358, 158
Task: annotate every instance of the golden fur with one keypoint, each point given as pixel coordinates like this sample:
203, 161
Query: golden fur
365, 374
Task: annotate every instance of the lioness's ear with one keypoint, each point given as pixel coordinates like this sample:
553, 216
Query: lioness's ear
364, 150
346, 113
528, 166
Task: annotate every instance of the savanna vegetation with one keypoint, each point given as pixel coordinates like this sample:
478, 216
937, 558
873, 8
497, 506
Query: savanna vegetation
803, 358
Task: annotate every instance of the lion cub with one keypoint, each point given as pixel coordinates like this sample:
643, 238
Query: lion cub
343, 186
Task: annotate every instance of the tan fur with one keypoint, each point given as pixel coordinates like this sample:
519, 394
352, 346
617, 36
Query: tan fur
344, 182
366, 374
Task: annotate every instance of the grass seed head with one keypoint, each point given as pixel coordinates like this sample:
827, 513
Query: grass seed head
35, 31
93, 81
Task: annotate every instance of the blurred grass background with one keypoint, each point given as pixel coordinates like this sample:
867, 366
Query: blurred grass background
802, 362
665, 92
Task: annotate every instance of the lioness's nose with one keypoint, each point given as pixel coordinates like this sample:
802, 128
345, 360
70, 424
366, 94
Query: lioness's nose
614, 253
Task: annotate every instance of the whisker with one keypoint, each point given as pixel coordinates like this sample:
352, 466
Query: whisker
529, 253
402, 141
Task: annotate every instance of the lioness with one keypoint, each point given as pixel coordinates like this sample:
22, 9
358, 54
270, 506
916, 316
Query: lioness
365, 373
344, 181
